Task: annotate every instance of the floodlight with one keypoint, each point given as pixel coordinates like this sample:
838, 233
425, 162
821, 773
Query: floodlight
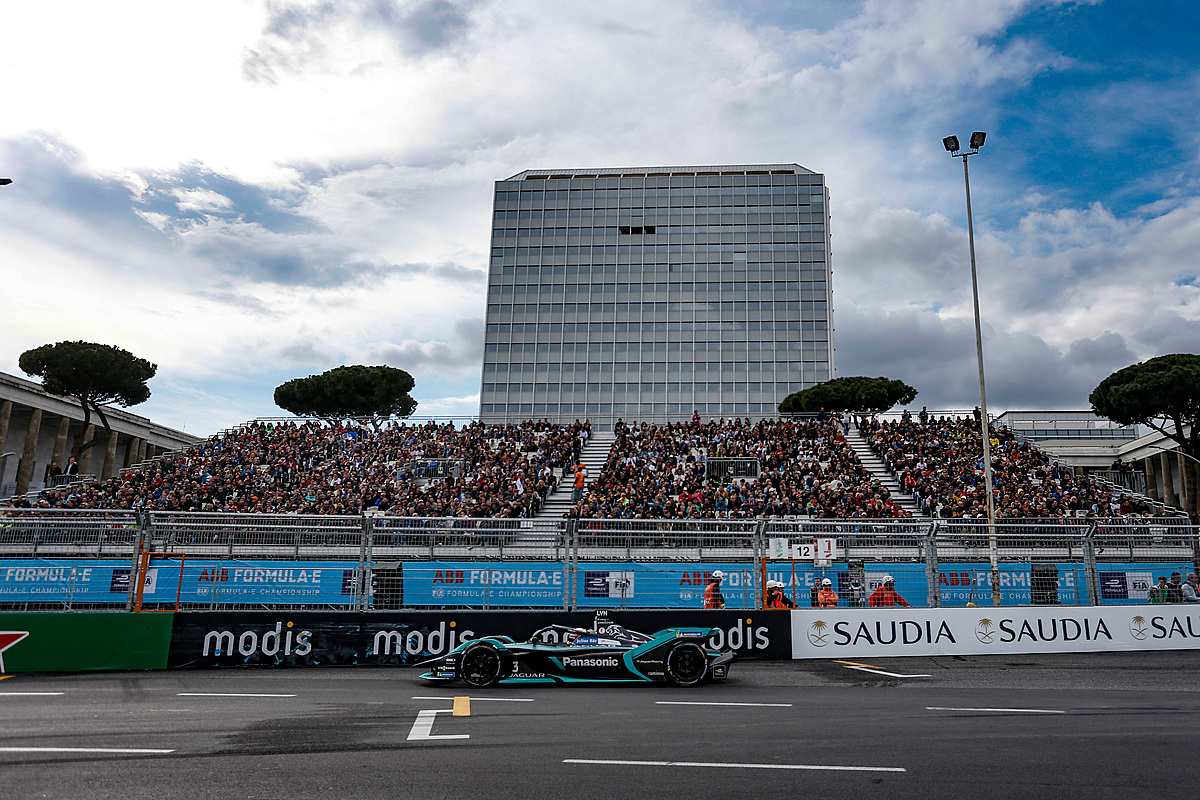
951, 143
977, 139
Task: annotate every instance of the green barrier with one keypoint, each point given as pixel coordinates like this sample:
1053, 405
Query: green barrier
84, 641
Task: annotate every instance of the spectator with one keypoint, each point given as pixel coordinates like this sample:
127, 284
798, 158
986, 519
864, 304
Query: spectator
827, 597
886, 596
1159, 592
580, 481
855, 593
776, 598
1191, 589
1175, 588
712, 592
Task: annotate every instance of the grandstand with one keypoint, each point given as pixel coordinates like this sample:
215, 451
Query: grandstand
938, 462
779, 468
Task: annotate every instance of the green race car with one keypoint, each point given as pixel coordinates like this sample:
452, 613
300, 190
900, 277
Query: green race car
605, 653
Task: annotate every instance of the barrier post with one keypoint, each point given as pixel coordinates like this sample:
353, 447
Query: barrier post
1194, 535
760, 562
135, 575
931, 566
1089, 565
568, 533
365, 548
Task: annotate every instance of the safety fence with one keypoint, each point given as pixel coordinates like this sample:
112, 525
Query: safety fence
159, 561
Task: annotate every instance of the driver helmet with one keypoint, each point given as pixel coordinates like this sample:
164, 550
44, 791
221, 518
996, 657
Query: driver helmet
718, 574
888, 579
826, 582
774, 585
573, 634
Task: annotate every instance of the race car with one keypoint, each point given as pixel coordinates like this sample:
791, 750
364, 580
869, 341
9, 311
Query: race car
605, 653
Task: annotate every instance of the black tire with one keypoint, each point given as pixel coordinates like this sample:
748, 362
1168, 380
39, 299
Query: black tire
686, 664
481, 666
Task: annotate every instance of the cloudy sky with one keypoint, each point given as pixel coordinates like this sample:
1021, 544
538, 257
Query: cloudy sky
247, 191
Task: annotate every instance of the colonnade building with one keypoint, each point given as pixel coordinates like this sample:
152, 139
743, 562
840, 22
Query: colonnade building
39, 429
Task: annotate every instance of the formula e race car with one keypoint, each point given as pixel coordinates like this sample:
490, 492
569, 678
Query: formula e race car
604, 653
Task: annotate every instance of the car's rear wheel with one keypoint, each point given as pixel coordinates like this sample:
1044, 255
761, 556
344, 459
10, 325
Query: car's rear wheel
686, 664
480, 666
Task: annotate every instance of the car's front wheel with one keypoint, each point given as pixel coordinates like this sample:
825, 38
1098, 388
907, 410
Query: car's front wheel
686, 664
480, 666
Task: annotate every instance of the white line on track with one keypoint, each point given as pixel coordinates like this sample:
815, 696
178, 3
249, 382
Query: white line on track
709, 703
31, 694
476, 699
889, 674
229, 694
422, 728
730, 765
999, 710
114, 750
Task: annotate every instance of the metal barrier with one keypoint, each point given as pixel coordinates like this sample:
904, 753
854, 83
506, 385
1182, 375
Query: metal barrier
74, 559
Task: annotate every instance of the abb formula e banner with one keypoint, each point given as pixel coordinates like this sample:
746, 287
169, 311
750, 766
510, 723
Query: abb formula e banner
599, 584
858, 633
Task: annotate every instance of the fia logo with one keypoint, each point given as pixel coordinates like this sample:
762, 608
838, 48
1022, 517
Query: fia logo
985, 631
818, 635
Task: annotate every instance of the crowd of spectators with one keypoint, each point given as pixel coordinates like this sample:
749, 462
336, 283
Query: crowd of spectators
315, 468
800, 467
805, 468
940, 462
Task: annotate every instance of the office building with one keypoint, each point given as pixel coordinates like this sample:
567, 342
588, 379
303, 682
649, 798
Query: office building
647, 293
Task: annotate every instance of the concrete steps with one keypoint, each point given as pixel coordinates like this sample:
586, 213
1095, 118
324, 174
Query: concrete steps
1158, 505
594, 457
880, 472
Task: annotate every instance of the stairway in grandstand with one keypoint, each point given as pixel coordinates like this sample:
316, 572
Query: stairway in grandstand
594, 457
879, 471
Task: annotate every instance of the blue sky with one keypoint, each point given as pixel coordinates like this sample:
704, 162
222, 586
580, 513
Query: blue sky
249, 191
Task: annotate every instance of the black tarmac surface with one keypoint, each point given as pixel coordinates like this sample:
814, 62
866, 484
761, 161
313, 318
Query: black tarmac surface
1129, 727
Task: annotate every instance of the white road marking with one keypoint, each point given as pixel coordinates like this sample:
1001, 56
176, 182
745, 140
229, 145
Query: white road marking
116, 750
229, 694
889, 674
31, 694
730, 765
476, 699
709, 703
422, 729
999, 710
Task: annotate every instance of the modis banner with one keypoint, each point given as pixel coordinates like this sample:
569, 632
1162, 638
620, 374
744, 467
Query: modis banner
838, 633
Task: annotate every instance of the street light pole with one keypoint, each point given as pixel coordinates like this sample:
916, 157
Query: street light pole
951, 145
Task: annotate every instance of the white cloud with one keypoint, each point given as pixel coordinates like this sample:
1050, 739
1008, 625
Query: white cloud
244, 189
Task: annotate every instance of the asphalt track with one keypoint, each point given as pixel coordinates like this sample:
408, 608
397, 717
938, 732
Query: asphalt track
1095, 726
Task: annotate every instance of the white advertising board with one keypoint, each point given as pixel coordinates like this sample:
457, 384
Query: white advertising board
860, 632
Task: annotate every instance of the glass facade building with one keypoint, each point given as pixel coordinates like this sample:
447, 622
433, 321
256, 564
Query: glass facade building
647, 293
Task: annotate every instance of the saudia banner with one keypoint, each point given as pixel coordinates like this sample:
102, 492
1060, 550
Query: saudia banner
857, 633
406, 638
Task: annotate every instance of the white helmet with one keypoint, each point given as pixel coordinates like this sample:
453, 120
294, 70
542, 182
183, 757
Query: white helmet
887, 579
774, 584
718, 574
826, 582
